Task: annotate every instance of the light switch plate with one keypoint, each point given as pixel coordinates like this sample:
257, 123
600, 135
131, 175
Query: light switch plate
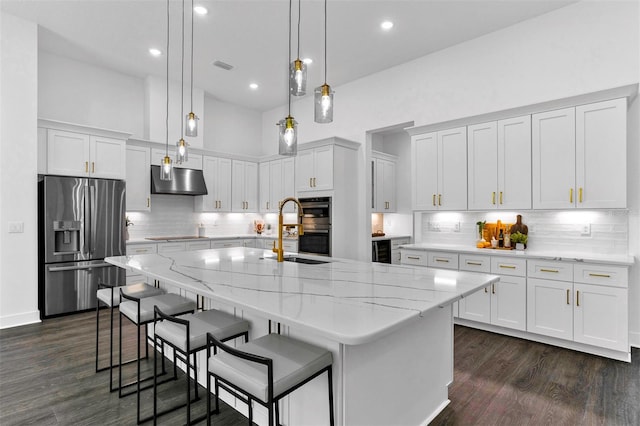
16, 227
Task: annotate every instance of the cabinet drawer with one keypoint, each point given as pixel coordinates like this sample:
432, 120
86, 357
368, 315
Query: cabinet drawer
395, 244
549, 270
171, 247
616, 276
290, 246
473, 263
198, 245
508, 266
410, 257
226, 243
442, 260
142, 249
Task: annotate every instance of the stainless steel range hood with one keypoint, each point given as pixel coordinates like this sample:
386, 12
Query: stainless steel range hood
183, 182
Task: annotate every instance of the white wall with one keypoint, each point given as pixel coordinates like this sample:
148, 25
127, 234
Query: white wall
76, 92
18, 176
231, 128
582, 48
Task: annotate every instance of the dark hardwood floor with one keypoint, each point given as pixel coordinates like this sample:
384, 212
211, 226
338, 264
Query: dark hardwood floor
47, 378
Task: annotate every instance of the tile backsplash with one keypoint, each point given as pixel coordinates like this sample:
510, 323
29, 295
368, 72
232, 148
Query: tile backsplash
591, 231
173, 215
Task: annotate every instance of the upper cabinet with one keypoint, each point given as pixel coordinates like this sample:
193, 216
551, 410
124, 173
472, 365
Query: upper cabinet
579, 157
314, 169
244, 186
276, 183
383, 183
439, 169
138, 178
217, 176
194, 161
499, 170
76, 150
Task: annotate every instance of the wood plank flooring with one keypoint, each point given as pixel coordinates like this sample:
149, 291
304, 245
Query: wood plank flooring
47, 378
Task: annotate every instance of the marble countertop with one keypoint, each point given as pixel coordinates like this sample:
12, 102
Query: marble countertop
625, 260
347, 301
273, 236
390, 237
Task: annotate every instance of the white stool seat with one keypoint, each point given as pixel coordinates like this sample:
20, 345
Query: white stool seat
221, 324
139, 290
293, 362
169, 303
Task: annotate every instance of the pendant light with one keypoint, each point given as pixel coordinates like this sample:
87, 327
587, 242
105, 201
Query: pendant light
192, 118
297, 68
323, 95
288, 127
181, 145
165, 170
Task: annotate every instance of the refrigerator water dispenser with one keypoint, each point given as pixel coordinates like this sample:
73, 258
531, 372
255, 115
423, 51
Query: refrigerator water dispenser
67, 236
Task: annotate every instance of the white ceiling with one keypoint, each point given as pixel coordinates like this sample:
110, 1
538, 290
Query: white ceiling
252, 36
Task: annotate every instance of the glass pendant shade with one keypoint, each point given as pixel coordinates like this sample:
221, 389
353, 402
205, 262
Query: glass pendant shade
192, 125
182, 154
323, 104
165, 171
288, 136
298, 78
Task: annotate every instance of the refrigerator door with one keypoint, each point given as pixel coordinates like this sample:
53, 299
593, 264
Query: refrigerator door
71, 287
63, 212
106, 202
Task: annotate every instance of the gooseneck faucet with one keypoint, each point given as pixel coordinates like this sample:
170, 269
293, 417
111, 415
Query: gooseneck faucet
281, 225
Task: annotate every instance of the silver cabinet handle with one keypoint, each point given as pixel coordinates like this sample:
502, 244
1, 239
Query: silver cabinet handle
78, 268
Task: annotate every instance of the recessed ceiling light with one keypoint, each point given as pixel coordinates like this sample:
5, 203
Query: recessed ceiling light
200, 10
386, 25
155, 52
253, 86
307, 60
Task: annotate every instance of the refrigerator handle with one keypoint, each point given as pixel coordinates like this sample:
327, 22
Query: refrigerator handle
92, 207
87, 222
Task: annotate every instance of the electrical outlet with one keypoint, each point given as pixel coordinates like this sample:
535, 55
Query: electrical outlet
586, 230
434, 226
456, 227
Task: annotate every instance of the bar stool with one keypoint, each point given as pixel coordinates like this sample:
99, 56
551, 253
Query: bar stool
265, 370
173, 331
110, 297
141, 312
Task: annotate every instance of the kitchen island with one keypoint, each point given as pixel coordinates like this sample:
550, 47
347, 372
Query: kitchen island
389, 327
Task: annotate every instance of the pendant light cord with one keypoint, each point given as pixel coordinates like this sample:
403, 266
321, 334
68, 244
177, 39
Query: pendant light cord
191, 55
182, 80
289, 81
167, 98
299, 14
325, 41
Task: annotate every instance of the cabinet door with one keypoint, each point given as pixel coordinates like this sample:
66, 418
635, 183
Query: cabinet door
194, 161
288, 184
251, 186
514, 163
207, 203
138, 178
277, 192
553, 159
238, 202
264, 186
550, 308
476, 306
223, 187
424, 168
385, 187
601, 316
323, 168
601, 151
452, 169
483, 166
107, 157
509, 303
304, 170
67, 153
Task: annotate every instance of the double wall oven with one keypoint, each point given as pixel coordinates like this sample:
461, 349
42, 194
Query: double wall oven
316, 222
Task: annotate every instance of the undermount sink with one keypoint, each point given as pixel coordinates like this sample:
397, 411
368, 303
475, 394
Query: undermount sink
301, 260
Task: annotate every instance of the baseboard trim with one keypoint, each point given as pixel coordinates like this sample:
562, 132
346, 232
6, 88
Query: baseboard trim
9, 321
634, 339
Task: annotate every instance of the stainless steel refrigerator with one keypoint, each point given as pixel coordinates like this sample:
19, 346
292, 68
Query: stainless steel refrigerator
81, 221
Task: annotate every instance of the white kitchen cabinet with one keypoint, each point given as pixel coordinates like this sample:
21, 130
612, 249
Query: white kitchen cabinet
264, 187
396, 257
383, 179
413, 257
601, 316
579, 157
78, 154
217, 177
172, 247
314, 169
476, 306
197, 245
194, 161
276, 183
216, 244
288, 188
439, 169
442, 260
244, 186
499, 169
138, 178
133, 277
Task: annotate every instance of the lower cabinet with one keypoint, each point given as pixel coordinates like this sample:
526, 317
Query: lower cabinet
132, 249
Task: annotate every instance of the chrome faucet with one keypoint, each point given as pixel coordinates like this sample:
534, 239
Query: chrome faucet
281, 225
